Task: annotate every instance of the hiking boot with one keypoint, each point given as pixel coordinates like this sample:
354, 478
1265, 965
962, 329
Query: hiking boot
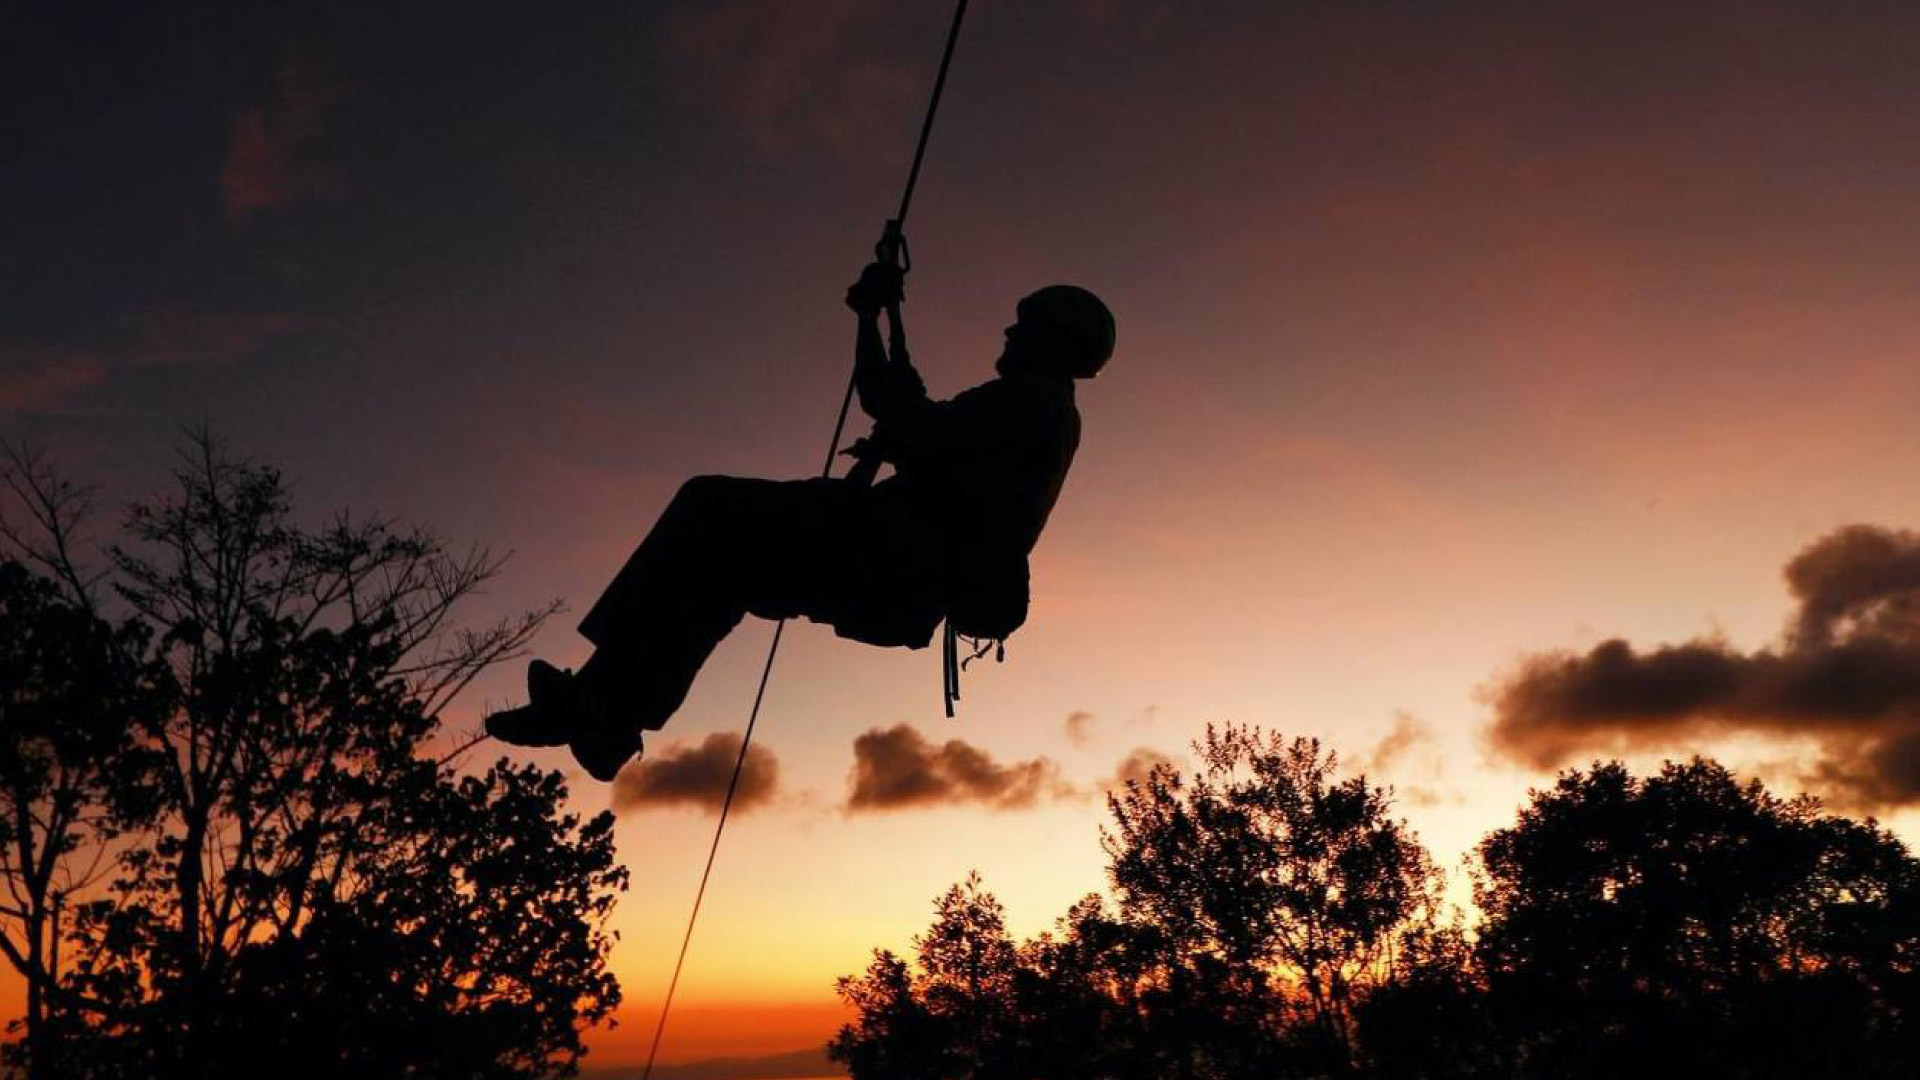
526, 726
550, 688
547, 718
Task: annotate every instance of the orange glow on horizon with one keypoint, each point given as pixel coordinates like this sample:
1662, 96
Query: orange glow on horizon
701, 1030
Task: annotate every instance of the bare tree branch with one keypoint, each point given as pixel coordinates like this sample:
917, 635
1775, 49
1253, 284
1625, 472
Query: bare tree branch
58, 510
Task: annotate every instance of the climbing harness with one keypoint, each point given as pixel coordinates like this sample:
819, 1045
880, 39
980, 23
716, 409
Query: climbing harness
891, 249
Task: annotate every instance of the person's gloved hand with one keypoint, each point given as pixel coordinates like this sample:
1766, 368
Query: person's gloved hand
864, 449
880, 286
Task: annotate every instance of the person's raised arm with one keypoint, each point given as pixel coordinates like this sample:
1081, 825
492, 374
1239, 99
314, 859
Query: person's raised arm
887, 387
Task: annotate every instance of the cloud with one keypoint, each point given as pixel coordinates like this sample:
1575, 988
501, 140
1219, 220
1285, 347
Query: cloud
1137, 766
1846, 674
45, 379
1408, 731
270, 160
1415, 776
698, 776
1079, 727
896, 767
1862, 580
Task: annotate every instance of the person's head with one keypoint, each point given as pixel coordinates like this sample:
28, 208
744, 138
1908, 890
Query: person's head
1063, 329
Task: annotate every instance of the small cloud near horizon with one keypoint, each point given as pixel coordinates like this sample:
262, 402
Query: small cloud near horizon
897, 768
697, 776
1408, 731
1397, 758
1079, 725
1137, 766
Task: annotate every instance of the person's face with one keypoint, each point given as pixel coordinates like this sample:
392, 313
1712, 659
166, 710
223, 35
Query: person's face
1015, 348
1028, 341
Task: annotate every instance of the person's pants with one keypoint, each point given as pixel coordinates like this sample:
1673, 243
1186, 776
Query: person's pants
727, 547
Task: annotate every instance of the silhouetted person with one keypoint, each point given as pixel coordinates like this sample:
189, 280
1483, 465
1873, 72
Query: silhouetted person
947, 535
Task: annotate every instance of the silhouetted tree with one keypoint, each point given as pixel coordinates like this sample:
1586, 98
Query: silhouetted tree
952, 1013
1075, 994
1433, 1019
468, 941
895, 1034
71, 689
1258, 901
296, 876
1266, 884
1686, 924
1271, 920
74, 693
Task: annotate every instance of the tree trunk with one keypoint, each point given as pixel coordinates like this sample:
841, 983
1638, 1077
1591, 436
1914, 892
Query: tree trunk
36, 1001
191, 968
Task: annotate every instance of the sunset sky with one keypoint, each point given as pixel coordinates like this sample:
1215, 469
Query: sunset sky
1450, 335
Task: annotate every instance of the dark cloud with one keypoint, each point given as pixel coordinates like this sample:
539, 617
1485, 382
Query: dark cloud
897, 767
1847, 673
698, 776
1079, 727
1862, 580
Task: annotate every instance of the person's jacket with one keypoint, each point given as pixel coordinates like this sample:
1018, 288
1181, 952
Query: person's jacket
990, 460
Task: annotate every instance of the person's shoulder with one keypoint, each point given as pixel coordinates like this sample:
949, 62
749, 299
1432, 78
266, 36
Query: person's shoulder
1035, 399
996, 390
1025, 393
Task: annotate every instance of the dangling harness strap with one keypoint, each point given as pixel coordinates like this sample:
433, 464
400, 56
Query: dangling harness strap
951, 665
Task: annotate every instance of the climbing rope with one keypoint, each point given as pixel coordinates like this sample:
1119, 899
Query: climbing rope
892, 248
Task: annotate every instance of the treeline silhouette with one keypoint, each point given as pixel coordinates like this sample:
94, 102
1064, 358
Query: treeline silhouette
227, 848
1271, 919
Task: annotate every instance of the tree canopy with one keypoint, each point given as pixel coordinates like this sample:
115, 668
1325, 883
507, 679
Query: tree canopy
229, 841
1256, 902
1270, 918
